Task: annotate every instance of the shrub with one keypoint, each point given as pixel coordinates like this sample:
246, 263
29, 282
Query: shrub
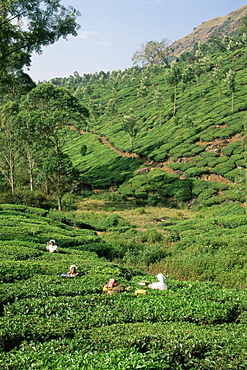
233, 175
12, 271
209, 154
153, 255
206, 194
150, 236
181, 190
198, 149
28, 198
195, 171
233, 195
233, 148
181, 166
199, 186
24, 209
102, 250
126, 189
223, 168
153, 200
69, 202
214, 199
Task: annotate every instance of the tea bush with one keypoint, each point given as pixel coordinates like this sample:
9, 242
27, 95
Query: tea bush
48, 321
224, 168
195, 171
233, 148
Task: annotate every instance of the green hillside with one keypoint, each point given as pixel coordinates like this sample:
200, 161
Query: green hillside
198, 154
160, 134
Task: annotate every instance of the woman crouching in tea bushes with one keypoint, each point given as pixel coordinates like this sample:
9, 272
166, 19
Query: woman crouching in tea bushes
160, 284
112, 287
51, 246
72, 272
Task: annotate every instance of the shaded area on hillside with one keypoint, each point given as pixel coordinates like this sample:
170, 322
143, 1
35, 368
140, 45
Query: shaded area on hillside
114, 173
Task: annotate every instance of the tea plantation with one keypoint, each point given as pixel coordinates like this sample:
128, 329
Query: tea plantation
51, 322
149, 177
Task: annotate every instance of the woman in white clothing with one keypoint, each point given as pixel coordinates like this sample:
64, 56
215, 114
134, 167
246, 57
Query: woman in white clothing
51, 246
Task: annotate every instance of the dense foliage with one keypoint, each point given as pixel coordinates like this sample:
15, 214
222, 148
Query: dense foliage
27, 26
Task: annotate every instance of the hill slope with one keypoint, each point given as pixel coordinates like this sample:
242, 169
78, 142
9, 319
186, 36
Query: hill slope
229, 24
201, 144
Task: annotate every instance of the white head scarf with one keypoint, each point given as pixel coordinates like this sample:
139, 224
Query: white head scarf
161, 278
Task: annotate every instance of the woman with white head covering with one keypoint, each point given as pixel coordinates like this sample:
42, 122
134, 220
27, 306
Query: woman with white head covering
72, 271
161, 284
51, 246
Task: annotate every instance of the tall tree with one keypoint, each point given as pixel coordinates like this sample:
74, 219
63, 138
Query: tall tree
32, 150
218, 75
59, 172
197, 67
130, 125
158, 100
28, 25
88, 89
153, 52
8, 141
95, 110
142, 92
188, 77
173, 76
111, 109
20, 84
230, 81
52, 111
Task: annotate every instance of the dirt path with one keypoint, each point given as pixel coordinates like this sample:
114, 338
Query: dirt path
150, 163
104, 141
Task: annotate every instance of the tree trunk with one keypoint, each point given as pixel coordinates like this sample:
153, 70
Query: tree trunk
31, 166
11, 172
59, 202
232, 102
132, 147
59, 193
11, 179
175, 100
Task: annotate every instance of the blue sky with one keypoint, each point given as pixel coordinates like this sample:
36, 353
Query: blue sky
112, 30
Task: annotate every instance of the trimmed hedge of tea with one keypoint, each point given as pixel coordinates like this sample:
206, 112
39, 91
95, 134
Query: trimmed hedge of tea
48, 321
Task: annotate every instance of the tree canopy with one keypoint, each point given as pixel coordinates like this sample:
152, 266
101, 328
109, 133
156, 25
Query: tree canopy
153, 52
28, 25
47, 114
